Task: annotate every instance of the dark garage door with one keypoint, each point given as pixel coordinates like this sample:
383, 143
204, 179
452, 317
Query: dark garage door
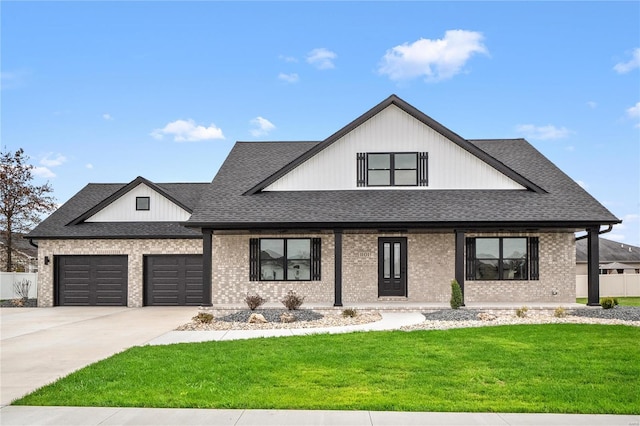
173, 280
91, 280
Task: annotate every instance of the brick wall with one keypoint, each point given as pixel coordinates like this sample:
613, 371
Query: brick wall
230, 271
557, 281
134, 249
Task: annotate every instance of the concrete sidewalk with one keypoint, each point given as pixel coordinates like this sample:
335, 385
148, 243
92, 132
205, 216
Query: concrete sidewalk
91, 416
389, 321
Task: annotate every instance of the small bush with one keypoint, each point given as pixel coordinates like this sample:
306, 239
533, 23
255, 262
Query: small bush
254, 301
350, 313
456, 295
203, 317
21, 288
522, 312
292, 301
560, 312
608, 302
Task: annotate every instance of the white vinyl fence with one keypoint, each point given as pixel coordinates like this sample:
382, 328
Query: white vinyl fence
8, 279
612, 285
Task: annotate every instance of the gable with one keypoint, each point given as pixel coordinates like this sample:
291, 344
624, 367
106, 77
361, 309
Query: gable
393, 129
123, 209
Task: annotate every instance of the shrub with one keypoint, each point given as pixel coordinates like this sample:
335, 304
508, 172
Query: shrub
456, 295
203, 317
608, 302
292, 301
350, 313
21, 288
522, 312
254, 301
560, 312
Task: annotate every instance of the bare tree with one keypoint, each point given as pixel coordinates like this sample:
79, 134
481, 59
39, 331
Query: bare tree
21, 202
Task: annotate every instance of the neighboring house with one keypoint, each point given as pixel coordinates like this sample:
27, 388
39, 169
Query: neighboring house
391, 208
24, 256
615, 257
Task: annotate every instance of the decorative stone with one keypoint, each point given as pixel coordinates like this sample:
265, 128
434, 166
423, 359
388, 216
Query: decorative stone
257, 319
287, 317
484, 316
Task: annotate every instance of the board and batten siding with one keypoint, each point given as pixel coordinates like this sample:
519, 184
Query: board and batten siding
393, 130
124, 208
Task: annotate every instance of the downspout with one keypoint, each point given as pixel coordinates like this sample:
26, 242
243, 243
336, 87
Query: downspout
582, 237
32, 243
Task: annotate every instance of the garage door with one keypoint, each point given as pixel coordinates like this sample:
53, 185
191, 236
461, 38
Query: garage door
173, 280
91, 280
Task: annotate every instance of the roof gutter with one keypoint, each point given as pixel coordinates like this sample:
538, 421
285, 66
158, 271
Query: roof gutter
32, 243
582, 237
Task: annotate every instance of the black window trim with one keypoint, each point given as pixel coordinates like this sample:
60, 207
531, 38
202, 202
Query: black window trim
392, 168
532, 258
362, 169
139, 199
255, 261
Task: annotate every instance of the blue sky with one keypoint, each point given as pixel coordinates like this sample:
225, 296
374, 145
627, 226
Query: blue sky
107, 91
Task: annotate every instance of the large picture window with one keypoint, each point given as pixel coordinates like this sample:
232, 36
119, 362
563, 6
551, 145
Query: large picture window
392, 169
502, 258
285, 259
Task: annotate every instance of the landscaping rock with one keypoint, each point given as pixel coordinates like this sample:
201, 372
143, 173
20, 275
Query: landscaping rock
485, 316
257, 319
287, 317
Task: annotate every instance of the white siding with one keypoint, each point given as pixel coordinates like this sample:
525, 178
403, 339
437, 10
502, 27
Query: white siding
393, 130
124, 209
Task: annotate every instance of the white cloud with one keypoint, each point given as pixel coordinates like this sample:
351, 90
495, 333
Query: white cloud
188, 131
107, 116
288, 58
89, 166
634, 62
262, 127
634, 113
592, 104
321, 58
542, 132
43, 172
289, 78
435, 60
53, 160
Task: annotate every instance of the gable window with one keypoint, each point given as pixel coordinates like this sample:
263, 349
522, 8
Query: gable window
143, 203
284, 259
502, 258
392, 169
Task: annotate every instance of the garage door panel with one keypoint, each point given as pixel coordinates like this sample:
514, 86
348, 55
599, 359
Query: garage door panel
91, 280
173, 280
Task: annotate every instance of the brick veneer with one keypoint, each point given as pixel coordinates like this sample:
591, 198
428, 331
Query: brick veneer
557, 281
134, 249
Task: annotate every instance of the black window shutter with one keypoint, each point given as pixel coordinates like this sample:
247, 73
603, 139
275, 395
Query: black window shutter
254, 259
471, 259
361, 167
534, 258
316, 261
423, 169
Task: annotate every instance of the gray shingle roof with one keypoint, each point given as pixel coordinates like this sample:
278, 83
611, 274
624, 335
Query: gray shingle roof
58, 224
610, 251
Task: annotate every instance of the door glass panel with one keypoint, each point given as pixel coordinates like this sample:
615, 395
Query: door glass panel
396, 260
387, 260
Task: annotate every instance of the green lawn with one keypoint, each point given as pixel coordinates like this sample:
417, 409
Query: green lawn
562, 368
623, 301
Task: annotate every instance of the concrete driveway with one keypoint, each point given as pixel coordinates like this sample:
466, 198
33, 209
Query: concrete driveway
40, 345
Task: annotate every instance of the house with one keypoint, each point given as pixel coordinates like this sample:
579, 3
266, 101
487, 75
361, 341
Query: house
391, 208
23, 255
615, 257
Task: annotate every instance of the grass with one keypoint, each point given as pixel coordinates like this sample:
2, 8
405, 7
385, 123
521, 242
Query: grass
555, 368
623, 301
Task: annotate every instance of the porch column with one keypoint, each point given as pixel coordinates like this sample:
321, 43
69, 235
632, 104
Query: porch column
207, 265
459, 271
337, 235
593, 268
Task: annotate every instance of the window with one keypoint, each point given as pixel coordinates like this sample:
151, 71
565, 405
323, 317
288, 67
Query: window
392, 169
142, 203
502, 258
284, 259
